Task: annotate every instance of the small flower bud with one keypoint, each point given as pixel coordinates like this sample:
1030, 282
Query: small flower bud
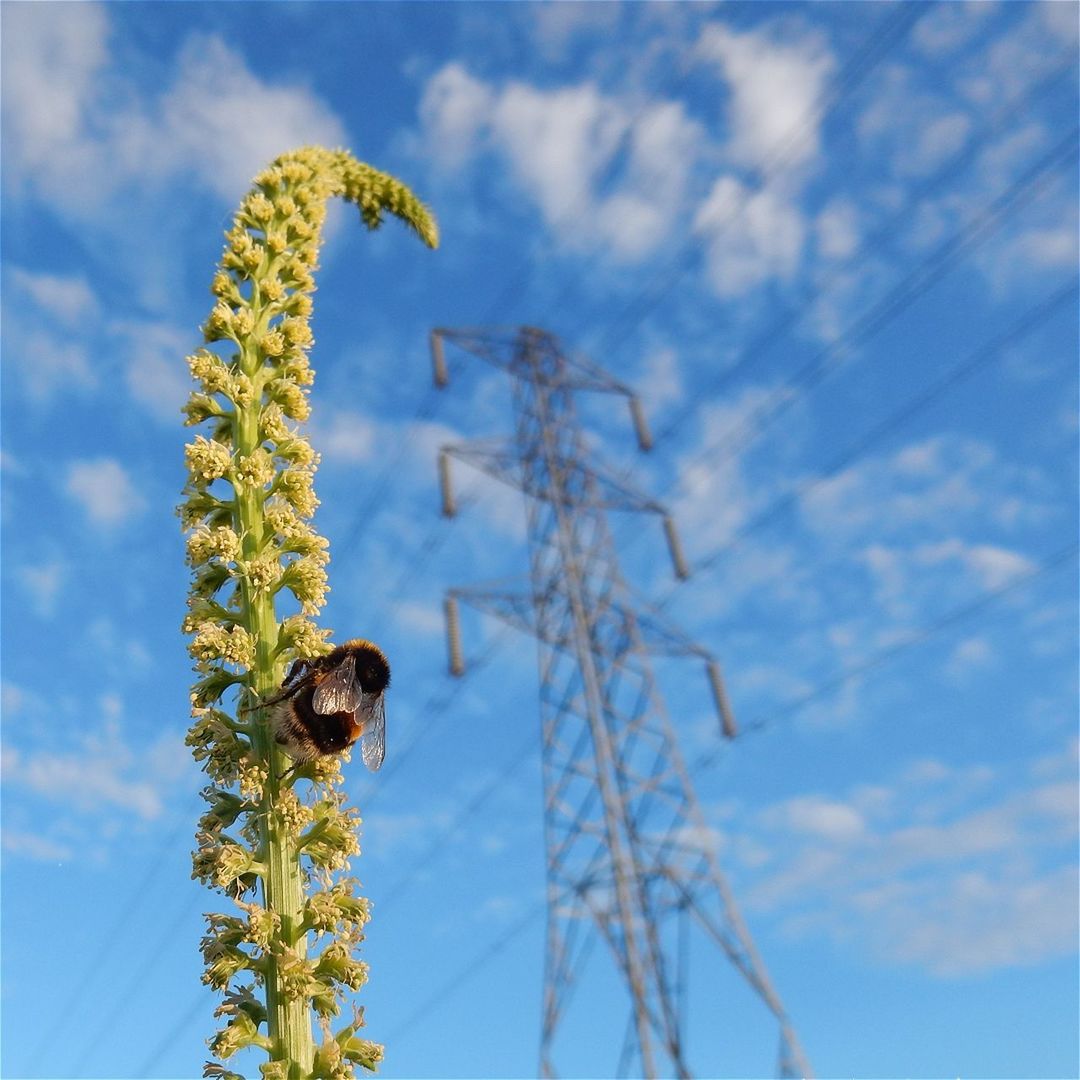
220, 323
205, 544
273, 343
296, 488
254, 471
290, 397
207, 461
259, 208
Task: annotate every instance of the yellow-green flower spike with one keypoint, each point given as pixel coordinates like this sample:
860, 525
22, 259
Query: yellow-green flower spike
278, 856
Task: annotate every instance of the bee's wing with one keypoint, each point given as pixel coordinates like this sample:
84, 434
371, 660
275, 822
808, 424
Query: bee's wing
339, 691
373, 741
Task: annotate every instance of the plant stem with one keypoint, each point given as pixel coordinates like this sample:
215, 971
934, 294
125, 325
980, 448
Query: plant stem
288, 1019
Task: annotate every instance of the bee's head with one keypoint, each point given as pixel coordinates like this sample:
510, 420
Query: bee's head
372, 667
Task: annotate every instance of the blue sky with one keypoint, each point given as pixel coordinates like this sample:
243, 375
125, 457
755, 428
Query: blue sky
834, 249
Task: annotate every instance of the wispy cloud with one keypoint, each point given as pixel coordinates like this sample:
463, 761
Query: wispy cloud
752, 236
944, 478
214, 117
558, 144
154, 370
344, 436
954, 871
104, 489
34, 846
42, 582
101, 772
775, 77
66, 298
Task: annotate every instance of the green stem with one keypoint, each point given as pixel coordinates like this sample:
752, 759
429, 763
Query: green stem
288, 1019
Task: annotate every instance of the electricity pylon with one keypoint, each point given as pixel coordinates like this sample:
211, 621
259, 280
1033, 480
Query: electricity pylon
628, 851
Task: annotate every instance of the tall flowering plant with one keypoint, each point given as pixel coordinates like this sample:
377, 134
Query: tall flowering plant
287, 948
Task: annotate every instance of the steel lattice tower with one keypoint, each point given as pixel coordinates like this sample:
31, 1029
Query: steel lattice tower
625, 837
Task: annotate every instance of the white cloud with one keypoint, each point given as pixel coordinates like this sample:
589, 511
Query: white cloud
1059, 20
42, 584
981, 923
50, 365
344, 436
558, 145
12, 698
227, 124
664, 142
34, 846
104, 490
994, 566
11, 464
47, 81
946, 28
419, 616
941, 479
715, 498
939, 139
907, 577
558, 24
1061, 764
776, 81
751, 236
837, 229
117, 651
101, 772
660, 385
454, 110
1037, 42
155, 373
818, 817
214, 119
1048, 247
970, 654
557, 142
917, 131
941, 868
65, 298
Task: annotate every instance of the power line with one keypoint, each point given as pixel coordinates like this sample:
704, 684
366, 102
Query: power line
436, 706
991, 351
902, 645
197, 1003
386, 478
117, 928
882, 40
431, 852
373, 504
149, 964
883, 234
883, 656
465, 973
914, 285
978, 230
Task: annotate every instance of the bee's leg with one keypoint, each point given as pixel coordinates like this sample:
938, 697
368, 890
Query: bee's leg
295, 668
291, 686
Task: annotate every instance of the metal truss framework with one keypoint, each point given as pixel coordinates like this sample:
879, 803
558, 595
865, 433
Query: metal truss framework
628, 852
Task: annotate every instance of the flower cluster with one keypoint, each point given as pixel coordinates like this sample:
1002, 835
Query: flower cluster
248, 504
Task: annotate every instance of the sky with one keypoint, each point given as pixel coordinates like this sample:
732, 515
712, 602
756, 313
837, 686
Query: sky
833, 248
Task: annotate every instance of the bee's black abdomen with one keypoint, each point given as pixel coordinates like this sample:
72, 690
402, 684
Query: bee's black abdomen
307, 733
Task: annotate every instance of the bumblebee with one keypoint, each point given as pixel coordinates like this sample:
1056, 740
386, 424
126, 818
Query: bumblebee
326, 704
